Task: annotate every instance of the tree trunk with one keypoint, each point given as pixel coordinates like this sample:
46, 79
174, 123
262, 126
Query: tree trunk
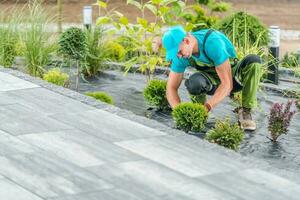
77, 77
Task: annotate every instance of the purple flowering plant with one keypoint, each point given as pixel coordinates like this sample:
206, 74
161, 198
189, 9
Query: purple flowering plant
279, 119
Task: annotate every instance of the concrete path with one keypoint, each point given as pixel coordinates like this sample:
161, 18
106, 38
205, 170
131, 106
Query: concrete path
57, 148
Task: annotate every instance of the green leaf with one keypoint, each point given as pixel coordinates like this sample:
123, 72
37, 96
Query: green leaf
142, 22
102, 20
135, 3
156, 2
123, 20
167, 2
152, 8
101, 4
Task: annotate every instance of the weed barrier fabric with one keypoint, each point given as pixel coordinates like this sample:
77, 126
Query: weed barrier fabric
127, 92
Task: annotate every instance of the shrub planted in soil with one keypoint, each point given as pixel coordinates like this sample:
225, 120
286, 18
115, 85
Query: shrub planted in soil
190, 116
73, 45
155, 94
114, 51
226, 135
279, 119
56, 77
291, 60
101, 96
244, 29
95, 51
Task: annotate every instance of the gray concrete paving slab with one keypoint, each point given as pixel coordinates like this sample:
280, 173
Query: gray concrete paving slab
10, 145
80, 148
183, 155
32, 124
253, 184
12, 191
9, 82
107, 126
49, 176
48, 102
151, 177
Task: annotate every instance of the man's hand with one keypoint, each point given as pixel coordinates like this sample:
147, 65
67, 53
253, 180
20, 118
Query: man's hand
173, 84
225, 87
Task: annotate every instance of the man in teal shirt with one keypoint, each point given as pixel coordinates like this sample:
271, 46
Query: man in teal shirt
218, 72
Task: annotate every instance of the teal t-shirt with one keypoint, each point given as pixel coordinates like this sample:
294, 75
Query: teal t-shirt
218, 48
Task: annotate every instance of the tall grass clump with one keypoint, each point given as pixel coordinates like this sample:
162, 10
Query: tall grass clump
38, 43
8, 36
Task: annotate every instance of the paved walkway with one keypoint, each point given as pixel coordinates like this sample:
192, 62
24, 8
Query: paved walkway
56, 148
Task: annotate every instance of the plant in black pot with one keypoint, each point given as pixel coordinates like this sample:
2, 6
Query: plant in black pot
155, 94
226, 134
73, 45
190, 116
279, 119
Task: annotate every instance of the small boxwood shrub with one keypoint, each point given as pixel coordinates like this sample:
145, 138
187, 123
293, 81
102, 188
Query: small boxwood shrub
155, 94
190, 116
225, 134
56, 77
101, 96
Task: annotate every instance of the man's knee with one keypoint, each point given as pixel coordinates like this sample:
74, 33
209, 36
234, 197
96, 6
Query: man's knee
198, 83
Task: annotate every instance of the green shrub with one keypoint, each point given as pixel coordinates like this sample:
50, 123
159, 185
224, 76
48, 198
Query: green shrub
155, 94
291, 60
73, 44
95, 51
190, 116
56, 77
101, 96
225, 134
244, 30
128, 44
198, 98
114, 51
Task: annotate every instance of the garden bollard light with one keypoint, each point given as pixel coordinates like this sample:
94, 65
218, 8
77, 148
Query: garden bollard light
274, 50
87, 16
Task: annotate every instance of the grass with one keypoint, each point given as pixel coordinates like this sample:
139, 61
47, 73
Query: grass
38, 43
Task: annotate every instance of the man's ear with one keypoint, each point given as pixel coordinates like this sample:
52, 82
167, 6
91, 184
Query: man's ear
186, 40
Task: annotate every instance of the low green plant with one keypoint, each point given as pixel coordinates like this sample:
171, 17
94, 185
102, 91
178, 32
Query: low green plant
114, 51
226, 134
56, 77
155, 94
101, 96
38, 42
291, 60
198, 98
73, 45
190, 116
95, 51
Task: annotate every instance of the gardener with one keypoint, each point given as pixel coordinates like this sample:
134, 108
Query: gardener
219, 73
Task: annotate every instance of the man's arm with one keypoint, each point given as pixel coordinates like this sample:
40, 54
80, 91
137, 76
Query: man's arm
225, 87
173, 84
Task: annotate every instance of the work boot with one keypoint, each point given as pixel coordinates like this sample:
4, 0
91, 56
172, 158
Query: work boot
245, 119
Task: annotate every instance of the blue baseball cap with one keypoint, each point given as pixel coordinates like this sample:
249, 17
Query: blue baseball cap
171, 41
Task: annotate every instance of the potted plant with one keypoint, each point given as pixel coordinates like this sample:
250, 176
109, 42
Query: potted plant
279, 119
190, 116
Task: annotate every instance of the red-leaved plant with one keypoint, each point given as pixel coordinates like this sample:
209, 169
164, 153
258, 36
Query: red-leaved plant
279, 119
